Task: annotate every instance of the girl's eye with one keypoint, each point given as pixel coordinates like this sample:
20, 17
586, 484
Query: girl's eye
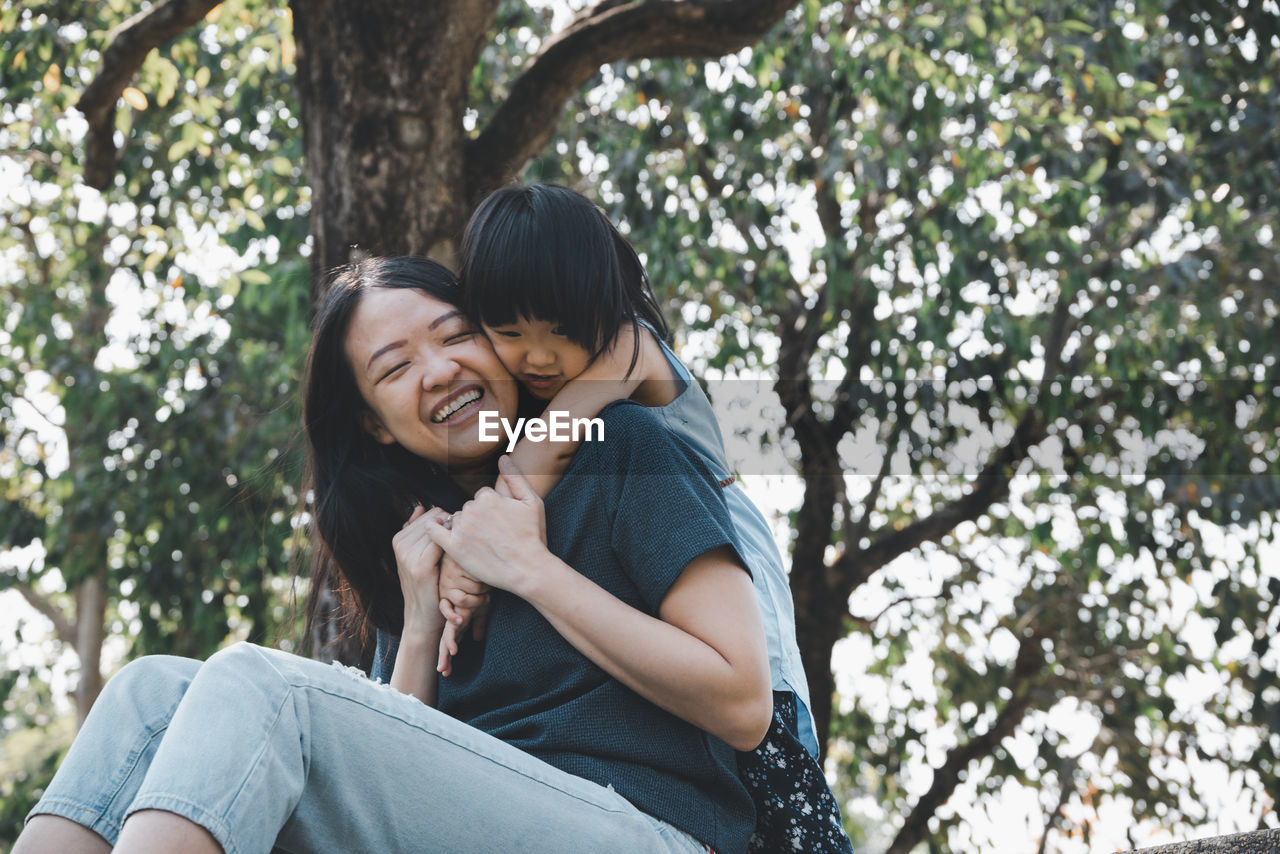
506, 333
559, 330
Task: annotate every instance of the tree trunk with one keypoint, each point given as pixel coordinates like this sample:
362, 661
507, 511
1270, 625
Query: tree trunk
90, 629
822, 624
382, 88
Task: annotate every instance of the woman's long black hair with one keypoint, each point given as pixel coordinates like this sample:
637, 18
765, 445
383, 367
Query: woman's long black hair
362, 490
545, 252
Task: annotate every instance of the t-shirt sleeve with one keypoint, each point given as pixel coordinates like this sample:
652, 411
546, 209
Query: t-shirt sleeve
384, 656
669, 507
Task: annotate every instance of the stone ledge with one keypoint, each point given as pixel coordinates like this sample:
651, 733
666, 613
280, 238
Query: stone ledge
1257, 842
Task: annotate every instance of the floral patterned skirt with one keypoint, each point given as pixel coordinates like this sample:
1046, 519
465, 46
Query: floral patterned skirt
795, 810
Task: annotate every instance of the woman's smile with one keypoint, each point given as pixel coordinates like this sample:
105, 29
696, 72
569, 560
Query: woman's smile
459, 406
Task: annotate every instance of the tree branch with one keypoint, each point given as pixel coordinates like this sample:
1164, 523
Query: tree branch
868, 622
1066, 788
992, 482
127, 48
855, 531
64, 628
945, 778
610, 32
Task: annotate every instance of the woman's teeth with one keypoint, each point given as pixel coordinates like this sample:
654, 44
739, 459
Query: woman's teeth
444, 412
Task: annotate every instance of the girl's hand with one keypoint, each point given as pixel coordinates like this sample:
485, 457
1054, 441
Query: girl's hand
418, 565
496, 538
452, 632
460, 594
448, 649
462, 598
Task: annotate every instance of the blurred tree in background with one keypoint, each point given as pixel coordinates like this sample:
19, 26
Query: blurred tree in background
150, 340
1004, 270
1014, 265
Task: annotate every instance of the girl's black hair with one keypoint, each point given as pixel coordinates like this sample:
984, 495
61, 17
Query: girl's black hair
362, 489
545, 252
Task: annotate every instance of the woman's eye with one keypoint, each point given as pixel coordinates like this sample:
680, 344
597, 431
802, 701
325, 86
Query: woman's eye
395, 369
458, 337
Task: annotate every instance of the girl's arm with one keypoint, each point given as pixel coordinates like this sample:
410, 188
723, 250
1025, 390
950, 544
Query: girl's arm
418, 564
703, 658
603, 382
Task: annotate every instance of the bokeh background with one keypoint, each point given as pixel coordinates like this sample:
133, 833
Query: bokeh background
984, 293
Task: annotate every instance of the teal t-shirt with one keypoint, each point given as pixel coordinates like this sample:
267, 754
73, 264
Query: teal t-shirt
630, 513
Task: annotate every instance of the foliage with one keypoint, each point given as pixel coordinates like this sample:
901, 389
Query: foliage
152, 334
1006, 263
1024, 216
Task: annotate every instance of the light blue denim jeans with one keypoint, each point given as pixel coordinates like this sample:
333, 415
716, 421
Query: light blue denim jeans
272, 752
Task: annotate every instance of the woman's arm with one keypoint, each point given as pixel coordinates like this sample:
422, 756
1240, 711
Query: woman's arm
704, 661
418, 564
703, 658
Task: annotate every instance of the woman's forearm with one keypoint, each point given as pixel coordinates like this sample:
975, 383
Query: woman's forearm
717, 679
702, 658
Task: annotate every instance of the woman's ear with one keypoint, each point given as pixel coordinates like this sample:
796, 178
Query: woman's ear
374, 427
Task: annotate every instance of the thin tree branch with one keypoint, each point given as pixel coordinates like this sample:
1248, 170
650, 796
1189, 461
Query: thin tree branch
991, 483
1028, 664
868, 622
1066, 788
127, 48
609, 32
855, 531
64, 628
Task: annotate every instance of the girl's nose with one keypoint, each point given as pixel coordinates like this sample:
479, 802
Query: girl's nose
539, 356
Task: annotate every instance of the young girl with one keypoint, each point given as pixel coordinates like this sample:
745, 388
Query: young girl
566, 303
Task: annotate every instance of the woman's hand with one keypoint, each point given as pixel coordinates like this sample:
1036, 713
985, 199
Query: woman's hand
418, 564
498, 536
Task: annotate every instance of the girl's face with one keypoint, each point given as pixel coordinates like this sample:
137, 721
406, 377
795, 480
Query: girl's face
538, 354
426, 374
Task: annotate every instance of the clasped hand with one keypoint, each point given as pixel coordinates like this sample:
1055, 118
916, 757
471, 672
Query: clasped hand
498, 535
418, 565
447, 563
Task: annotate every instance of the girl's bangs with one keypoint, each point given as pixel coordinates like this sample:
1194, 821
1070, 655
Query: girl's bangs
547, 274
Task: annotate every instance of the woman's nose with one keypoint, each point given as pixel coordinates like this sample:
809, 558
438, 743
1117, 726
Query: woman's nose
438, 370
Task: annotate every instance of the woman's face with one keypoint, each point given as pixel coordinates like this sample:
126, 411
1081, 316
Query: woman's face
426, 375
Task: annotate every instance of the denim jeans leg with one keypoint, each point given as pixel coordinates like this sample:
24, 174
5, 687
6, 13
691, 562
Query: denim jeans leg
101, 774
272, 751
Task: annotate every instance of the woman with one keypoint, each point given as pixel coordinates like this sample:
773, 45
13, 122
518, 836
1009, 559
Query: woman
587, 706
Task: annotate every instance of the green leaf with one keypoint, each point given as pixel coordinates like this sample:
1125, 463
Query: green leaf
1095, 172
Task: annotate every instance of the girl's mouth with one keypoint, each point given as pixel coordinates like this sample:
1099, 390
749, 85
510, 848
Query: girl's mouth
540, 381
